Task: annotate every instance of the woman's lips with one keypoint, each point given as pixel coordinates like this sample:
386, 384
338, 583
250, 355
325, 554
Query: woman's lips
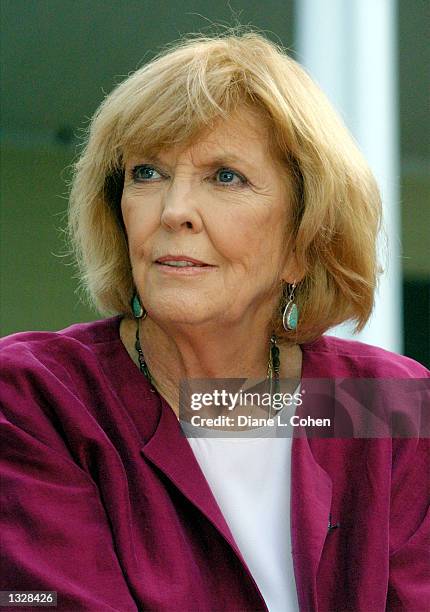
180, 259
182, 265
190, 270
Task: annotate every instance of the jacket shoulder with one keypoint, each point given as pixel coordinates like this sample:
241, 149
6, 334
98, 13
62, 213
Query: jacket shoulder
21, 349
354, 358
89, 332
50, 377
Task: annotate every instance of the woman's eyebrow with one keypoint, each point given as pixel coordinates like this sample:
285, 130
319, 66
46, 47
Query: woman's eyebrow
203, 161
222, 159
144, 157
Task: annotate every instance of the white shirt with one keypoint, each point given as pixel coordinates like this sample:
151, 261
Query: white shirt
250, 480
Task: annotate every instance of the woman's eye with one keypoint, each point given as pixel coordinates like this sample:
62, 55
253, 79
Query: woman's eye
230, 177
145, 173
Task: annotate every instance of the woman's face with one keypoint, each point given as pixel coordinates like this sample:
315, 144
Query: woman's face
223, 202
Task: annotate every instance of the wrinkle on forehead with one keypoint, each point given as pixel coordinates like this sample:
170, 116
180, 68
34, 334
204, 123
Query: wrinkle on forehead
241, 128
245, 125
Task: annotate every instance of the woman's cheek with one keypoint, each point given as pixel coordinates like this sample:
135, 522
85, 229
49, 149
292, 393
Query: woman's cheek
137, 212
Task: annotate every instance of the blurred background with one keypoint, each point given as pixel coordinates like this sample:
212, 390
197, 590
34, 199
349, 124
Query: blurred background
59, 58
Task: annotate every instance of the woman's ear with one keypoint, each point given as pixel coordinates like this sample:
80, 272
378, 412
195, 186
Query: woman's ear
291, 272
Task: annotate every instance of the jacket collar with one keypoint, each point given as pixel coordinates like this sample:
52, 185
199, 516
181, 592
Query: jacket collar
311, 492
168, 449
311, 496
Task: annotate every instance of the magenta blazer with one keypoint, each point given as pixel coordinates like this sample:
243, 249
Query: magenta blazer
104, 502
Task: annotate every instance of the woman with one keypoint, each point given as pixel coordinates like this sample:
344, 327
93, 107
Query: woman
224, 218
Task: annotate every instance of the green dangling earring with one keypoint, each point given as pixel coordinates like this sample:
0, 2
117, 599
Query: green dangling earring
136, 306
290, 317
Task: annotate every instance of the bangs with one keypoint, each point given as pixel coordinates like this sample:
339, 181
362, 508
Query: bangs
182, 96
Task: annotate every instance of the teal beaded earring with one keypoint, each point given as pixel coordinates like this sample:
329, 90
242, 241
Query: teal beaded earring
290, 317
136, 306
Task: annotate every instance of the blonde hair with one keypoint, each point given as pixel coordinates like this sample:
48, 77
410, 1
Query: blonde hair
336, 203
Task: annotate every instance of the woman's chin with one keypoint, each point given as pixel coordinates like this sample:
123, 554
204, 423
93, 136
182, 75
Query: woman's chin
177, 317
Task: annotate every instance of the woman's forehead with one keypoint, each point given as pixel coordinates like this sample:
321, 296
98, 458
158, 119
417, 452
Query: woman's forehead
233, 138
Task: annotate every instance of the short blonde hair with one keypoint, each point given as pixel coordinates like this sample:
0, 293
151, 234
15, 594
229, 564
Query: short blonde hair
184, 89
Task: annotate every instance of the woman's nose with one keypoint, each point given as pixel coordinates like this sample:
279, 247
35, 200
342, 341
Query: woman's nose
180, 210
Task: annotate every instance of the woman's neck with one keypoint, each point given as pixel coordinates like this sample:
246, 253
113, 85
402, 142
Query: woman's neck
234, 353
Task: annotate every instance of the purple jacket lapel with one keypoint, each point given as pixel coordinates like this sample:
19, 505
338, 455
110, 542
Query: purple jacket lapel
311, 494
169, 450
311, 485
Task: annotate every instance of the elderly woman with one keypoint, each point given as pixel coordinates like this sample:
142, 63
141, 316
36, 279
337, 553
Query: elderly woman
223, 220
